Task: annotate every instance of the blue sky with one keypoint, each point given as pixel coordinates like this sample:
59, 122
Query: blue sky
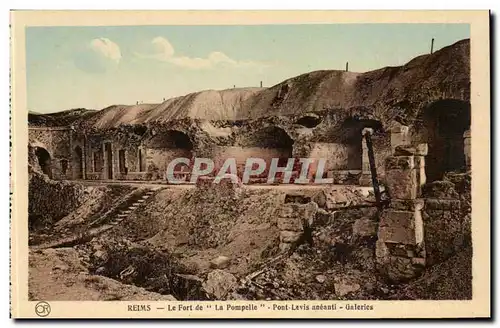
94, 67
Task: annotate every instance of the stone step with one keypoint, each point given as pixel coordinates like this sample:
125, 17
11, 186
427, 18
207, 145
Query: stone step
140, 201
122, 215
145, 197
132, 208
136, 203
126, 212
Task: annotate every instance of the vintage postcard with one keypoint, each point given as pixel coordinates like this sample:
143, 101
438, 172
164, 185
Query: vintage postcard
259, 164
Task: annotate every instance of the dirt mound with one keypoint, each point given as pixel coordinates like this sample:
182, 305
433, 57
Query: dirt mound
387, 93
205, 105
63, 118
60, 275
201, 224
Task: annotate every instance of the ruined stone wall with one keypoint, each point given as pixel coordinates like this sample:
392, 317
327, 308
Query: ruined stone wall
160, 158
269, 137
241, 154
335, 154
58, 143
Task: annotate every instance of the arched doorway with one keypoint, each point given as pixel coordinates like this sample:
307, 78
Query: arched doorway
44, 161
78, 162
266, 143
445, 122
164, 147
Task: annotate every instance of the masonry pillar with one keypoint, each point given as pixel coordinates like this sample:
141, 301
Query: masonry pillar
400, 251
292, 220
467, 149
399, 136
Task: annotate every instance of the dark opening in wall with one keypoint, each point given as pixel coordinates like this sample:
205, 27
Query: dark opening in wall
272, 137
141, 160
445, 122
309, 121
97, 161
274, 143
139, 130
350, 133
121, 161
78, 162
64, 166
109, 160
44, 161
170, 139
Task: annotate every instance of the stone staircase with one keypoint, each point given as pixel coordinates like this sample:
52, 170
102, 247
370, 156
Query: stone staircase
131, 205
110, 220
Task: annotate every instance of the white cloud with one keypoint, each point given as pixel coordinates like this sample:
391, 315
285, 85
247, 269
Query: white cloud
98, 56
107, 48
164, 51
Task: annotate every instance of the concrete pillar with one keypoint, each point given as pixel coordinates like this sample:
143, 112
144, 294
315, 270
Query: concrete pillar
467, 149
400, 136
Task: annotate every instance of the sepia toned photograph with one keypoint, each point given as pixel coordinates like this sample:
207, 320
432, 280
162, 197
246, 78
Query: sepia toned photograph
249, 163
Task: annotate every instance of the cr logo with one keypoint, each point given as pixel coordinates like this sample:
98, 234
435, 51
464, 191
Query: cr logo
42, 309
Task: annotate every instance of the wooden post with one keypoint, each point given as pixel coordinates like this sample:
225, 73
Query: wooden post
373, 168
432, 45
347, 66
261, 84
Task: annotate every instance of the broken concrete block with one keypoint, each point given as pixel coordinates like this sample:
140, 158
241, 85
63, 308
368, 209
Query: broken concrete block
291, 224
399, 136
320, 278
220, 283
364, 227
397, 227
402, 183
220, 262
286, 211
285, 247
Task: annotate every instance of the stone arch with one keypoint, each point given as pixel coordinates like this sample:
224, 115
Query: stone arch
272, 137
44, 160
78, 162
171, 139
444, 124
348, 135
267, 142
166, 145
